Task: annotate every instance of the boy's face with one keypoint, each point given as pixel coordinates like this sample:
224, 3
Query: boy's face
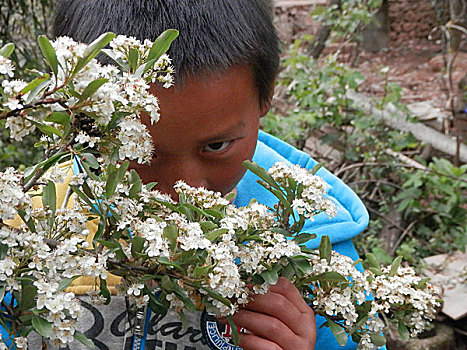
208, 127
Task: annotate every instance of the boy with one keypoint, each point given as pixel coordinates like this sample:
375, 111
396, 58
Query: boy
226, 59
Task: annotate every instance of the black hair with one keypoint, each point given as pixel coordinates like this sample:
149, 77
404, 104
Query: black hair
214, 34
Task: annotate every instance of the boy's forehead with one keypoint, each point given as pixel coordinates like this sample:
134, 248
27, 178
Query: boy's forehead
203, 90
212, 107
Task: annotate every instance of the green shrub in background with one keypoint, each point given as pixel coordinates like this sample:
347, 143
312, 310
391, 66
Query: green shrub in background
430, 204
347, 18
437, 200
21, 21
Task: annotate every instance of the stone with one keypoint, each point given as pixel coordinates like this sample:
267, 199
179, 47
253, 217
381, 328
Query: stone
443, 339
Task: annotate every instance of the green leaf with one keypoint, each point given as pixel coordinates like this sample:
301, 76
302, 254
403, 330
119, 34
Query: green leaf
214, 213
104, 291
303, 238
376, 271
28, 296
7, 50
84, 340
65, 283
91, 160
165, 261
234, 330
302, 264
325, 248
403, 331
200, 271
45, 165
47, 129
183, 296
29, 223
92, 50
133, 57
137, 246
160, 46
49, 196
378, 339
270, 276
92, 88
83, 196
135, 189
42, 326
261, 173
395, 266
171, 233
61, 118
167, 284
154, 304
111, 185
33, 84
48, 52
213, 294
208, 226
371, 259
110, 244
329, 276
338, 332
315, 169
3, 251
216, 234
422, 283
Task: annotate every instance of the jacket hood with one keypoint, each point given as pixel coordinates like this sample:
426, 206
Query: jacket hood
352, 216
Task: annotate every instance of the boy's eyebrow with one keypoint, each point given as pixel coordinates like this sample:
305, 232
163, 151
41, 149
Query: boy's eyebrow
231, 132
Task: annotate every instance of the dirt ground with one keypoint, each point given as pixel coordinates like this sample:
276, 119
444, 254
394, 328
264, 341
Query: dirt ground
419, 67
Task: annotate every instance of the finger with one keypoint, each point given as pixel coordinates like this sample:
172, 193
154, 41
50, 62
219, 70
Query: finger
278, 306
288, 290
253, 342
265, 327
284, 302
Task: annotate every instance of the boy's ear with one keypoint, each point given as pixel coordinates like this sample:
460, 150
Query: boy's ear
265, 106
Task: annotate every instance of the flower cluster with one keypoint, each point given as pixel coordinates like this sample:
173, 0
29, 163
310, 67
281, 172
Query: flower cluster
13, 198
312, 199
6, 67
201, 251
95, 90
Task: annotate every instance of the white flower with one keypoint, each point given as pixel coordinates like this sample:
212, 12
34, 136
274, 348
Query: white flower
136, 142
21, 343
201, 196
13, 197
135, 289
192, 237
6, 67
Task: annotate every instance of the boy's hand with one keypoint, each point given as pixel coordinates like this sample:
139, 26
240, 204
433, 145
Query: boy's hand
277, 320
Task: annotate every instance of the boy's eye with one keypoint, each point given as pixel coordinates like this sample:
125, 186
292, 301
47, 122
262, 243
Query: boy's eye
216, 146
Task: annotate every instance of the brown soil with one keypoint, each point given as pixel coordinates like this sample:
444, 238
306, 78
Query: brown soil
419, 67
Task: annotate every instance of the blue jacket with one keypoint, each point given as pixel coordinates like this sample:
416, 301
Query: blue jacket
351, 219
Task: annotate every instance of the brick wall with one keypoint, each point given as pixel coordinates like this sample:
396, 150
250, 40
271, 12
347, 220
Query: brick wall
410, 20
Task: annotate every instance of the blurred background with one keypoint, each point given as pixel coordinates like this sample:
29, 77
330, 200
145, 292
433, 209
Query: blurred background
376, 89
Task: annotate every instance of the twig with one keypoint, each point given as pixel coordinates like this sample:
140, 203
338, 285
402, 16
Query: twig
402, 236
32, 106
383, 182
386, 219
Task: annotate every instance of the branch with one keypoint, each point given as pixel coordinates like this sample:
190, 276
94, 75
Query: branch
396, 119
32, 106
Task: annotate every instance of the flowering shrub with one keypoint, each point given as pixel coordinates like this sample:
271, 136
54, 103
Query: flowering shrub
198, 252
